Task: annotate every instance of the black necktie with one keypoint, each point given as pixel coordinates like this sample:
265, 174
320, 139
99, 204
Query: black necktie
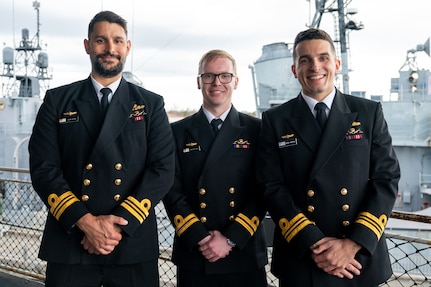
104, 102
321, 114
215, 123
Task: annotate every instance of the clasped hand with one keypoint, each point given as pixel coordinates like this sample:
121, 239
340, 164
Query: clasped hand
101, 233
337, 257
214, 246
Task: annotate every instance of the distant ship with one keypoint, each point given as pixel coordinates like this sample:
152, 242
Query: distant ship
24, 76
407, 110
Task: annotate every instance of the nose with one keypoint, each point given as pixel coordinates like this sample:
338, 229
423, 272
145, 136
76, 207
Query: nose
314, 65
109, 47
216, 81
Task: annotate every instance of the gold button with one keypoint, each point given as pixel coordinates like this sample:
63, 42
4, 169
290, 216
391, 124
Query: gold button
203, 219
203, 205
89, 166
346, 223
310, 193
118, 166
202, 191
86, 182
310, 208
117, 197
117, 181
232, 203
343, 191
232, 190
85, 197
345, 207
232, 217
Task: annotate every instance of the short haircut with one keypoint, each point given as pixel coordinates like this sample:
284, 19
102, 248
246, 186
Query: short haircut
108, 16
215, 54
312, 34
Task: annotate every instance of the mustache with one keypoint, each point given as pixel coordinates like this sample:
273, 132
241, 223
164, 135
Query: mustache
108, 55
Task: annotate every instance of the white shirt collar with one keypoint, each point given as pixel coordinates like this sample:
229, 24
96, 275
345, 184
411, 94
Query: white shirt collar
210, 116
328, 100
97, 86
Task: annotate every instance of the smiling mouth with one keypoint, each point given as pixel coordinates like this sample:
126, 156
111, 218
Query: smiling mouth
108, 57
317, 77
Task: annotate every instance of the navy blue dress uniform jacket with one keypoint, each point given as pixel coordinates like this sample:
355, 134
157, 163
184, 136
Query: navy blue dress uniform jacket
81, 164
341, 182
215, 188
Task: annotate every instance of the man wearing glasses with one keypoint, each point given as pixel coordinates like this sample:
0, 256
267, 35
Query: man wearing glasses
214, 204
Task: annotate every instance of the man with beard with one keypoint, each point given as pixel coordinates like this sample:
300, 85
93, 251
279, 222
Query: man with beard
101, 167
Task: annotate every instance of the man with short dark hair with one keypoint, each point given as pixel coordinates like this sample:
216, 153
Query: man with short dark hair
330, 176
101, 158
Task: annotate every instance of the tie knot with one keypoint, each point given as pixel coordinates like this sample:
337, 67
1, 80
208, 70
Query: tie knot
105, 91
215, 123
320, 106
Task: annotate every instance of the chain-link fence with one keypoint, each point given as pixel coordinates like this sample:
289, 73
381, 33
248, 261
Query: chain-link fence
22, 218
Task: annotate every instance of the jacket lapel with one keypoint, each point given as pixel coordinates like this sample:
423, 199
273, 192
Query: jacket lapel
116, 117
339, 121
89, 109
230, 130
305, 125
200, 130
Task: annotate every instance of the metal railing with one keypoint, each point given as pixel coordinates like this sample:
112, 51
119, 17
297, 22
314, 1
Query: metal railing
22, 218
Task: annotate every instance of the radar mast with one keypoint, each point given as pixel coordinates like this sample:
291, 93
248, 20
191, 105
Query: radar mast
25, 68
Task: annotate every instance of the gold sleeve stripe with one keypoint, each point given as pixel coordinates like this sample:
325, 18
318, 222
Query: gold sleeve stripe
251, 224
58, 204
182, 224
376, 225
139, 209
290, 229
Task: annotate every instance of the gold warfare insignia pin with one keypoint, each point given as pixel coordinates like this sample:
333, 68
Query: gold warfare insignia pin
192, 146
138, 112
354, 132
69, 117
288, 140
241, 144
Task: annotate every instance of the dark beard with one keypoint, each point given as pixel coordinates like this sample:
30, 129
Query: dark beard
107, 73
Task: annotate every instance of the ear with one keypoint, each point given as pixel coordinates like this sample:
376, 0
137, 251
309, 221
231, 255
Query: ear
87, 46
236, 83
129, 46
293, 68
337, 65
199, 82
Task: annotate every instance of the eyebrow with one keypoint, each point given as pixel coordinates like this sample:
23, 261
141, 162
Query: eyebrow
319, 55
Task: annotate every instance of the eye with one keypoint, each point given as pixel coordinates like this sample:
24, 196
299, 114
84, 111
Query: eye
324, 58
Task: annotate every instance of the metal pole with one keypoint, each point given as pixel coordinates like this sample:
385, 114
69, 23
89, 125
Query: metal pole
343, 47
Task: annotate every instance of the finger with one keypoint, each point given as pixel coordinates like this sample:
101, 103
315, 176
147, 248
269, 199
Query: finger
356, 264
119, 220
353, 269
347, 274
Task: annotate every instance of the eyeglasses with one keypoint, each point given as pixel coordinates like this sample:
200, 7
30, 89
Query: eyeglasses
209, 78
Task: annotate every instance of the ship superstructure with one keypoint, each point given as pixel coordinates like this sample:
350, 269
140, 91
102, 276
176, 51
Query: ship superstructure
24, 77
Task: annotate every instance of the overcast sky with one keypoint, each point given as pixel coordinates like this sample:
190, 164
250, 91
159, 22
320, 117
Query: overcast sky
169, 37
